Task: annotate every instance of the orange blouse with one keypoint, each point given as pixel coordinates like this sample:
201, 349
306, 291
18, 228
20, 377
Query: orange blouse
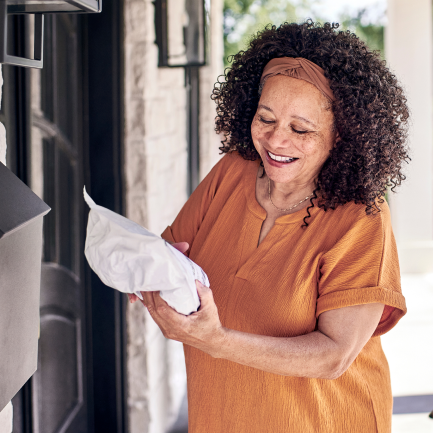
280, 288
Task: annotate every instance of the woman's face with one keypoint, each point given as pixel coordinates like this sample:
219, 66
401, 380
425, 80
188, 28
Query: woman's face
293, 130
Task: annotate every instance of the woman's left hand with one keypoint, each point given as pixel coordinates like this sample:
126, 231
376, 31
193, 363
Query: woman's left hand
202, 330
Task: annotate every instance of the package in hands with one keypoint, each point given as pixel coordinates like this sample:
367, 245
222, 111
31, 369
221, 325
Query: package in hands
131, 259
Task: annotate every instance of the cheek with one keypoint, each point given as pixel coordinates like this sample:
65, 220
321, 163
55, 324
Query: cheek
318, 149
256, 130
254, 127
309, 146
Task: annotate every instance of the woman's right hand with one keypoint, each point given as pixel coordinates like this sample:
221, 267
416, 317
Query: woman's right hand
180, 246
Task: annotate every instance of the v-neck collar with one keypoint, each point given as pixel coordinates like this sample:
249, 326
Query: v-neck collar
251, 252
249, 187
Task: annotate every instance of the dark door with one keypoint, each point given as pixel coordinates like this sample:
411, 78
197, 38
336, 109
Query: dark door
59, 386
64, 130
43, 115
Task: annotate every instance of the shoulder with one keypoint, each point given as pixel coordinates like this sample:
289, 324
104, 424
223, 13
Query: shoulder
351, 223
230, 168
354, 215
222, 178
233, 161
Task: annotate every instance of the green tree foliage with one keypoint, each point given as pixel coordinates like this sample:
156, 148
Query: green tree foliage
244, 18
371, 33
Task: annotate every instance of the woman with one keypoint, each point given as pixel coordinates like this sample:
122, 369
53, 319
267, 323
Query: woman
292, 228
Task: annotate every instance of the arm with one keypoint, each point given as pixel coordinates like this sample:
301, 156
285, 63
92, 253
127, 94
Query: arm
325, 353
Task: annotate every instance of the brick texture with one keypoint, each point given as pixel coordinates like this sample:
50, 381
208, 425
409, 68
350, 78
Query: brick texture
156, 188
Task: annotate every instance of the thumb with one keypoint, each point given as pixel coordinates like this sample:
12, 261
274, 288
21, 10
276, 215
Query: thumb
204, 293
181, 246
132, 298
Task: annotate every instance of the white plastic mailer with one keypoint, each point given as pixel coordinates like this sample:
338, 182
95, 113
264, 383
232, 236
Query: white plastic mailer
131, 259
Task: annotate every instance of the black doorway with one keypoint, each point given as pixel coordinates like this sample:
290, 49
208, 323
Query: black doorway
80, 385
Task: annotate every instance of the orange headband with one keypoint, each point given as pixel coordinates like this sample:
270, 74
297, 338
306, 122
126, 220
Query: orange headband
298, 67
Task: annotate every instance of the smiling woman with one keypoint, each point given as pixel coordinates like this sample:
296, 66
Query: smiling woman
292, 229
358, 169
293, 134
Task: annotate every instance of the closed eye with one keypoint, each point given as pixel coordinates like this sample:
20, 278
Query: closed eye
267, 122
299, 132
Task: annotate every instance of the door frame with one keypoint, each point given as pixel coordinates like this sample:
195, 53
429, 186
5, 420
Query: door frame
103, 36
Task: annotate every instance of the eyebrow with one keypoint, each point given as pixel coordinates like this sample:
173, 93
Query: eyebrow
296, 117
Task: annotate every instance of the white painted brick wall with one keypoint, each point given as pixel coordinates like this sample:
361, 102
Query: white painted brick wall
156, 188
209, 140
2, 143
2, 127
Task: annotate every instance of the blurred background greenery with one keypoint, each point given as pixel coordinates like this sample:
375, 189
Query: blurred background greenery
244, 18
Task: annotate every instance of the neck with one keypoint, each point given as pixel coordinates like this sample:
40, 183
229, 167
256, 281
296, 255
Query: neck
285, 191
290, 200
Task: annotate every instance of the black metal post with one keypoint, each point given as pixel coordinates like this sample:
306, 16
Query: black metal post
193, 111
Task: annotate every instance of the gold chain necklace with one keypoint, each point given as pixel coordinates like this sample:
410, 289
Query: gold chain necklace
291, 207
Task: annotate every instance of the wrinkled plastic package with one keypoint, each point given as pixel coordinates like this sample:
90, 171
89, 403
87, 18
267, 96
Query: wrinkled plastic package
131, 259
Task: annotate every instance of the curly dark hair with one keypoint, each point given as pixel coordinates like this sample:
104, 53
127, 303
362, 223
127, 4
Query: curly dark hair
370, 110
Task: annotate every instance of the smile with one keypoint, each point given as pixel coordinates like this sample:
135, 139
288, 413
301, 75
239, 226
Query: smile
285, 159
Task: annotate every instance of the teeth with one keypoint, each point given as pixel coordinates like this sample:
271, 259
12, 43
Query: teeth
280, 158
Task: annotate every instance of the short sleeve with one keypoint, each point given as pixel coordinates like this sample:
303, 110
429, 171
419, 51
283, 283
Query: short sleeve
189, 219
361, 268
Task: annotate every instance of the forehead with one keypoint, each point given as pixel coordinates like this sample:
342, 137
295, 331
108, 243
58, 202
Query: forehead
283, 91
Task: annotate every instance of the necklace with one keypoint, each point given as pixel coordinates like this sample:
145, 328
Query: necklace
289, 208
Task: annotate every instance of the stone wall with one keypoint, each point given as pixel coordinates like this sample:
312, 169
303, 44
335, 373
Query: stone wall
155, 159
156, 188
209, 140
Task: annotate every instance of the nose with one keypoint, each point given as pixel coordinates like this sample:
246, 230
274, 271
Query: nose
278, 136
